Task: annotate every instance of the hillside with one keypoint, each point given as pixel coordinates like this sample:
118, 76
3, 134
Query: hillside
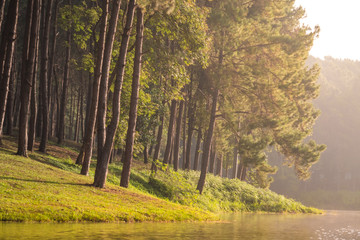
47, 188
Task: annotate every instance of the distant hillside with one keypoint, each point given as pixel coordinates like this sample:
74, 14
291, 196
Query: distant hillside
339, 128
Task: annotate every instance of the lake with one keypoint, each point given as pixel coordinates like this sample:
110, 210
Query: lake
332, 225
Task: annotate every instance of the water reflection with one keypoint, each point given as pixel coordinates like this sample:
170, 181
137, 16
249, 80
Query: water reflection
333, 225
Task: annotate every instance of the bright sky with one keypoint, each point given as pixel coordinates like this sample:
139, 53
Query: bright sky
339, 27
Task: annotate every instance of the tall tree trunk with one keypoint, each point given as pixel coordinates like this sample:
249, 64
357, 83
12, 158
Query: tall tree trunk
103, 159
169, 141
85, 154
197, 150
186, 165
239, 171
212, 157
207, 143
10, 101
71, 113
29, 52
2, 7
81, 128
146, 154
17, 99
191, 123
61, 133
33, 110
57, 101
158, 143
235, 163
104, 82
177, 136
77, 119
51, 94
219, 165
100, 86
44, 81
6, 55
130, 137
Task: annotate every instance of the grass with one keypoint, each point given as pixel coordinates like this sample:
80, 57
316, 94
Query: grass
48, 188
45, 189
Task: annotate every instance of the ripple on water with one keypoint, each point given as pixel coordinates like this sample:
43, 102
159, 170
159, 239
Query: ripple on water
344, 233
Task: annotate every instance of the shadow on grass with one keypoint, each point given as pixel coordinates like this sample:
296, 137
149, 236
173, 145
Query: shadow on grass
43, 158
7, 150
41, 181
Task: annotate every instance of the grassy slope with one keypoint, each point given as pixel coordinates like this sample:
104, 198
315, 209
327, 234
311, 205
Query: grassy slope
48, 188
33, 189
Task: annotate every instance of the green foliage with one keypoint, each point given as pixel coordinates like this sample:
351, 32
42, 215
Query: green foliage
80, 20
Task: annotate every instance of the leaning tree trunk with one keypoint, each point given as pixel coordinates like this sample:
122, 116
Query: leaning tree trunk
130, 137
103, 159
85, 154
6, 54
169, 141
177, 136
29, 50
207, 144
44, 76
2, 7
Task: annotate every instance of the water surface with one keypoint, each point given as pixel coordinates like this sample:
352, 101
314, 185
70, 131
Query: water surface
332, 225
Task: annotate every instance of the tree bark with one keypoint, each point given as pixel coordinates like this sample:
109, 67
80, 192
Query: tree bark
77, 119
177, 136
186, 165
51, 96
219, 166
89, 133
7, 46
169, 141
29, 50
103, 159
17, 99
44, 81
2, 7
33, 110
10, 101
146, 154
191, 123
158, 143
239, 171
61, 133
207, 143
103, 92
197, 150
212, 157
235, 163
130, 137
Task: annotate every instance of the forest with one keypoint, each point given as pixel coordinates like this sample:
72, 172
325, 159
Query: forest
334, 182
207, 85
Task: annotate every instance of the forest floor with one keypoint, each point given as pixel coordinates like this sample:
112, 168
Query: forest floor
48, 188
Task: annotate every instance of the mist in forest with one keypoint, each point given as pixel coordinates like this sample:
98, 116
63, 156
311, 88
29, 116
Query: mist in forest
335, 179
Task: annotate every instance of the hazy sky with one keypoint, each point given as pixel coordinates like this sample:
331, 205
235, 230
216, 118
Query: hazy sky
339, 23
